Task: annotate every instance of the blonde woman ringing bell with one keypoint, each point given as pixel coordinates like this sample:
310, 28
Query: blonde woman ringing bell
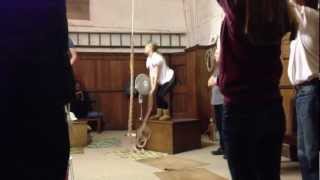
162, 80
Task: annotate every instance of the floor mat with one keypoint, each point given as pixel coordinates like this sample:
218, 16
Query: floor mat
104, 142
189, 174
77, 150
171, 163
139, 156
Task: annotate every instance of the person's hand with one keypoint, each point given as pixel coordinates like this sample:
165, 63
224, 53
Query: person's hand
296, 2
292, 4
79, 92
292, 1
211, 81
151, 92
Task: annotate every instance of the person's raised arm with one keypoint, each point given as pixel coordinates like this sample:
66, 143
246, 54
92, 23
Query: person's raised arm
298, 12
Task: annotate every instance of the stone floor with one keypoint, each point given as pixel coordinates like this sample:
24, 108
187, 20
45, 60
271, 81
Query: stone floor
101, 164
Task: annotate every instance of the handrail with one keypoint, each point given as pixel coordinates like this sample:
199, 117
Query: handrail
122, 39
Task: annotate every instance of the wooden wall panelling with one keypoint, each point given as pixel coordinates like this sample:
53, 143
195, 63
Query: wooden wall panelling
106, 75
113, 106
85, 70
288, 104
203, 92
178, 63
288, 93
103, 74
192, 97
183, 96
192, 88
284, 81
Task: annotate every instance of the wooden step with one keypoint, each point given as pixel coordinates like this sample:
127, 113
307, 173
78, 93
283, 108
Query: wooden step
175, 136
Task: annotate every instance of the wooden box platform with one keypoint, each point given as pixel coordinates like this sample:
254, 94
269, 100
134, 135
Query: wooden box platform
79, 133
176, 136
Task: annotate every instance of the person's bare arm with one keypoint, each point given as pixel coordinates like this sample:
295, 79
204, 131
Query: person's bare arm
212, 81
154, 80
294, 24
298, 11
74, 55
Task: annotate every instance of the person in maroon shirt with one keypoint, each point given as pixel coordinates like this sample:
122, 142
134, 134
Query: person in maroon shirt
249, 78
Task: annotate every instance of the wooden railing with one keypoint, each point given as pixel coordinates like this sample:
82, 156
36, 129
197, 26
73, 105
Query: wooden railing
122, 40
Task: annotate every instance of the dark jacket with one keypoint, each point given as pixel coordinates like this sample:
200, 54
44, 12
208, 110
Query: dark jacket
36, 81
34, 49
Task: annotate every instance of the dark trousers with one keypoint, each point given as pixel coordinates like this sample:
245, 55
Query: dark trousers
218, 117
307, 108
164, 90
35, 137
253, 137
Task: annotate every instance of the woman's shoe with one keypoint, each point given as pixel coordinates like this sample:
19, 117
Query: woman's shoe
166, 115
158, 115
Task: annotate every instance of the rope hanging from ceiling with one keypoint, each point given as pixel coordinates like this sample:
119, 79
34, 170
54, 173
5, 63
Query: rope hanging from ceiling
143, 133
130, 120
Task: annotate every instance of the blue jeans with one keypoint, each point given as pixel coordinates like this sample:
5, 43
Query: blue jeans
253, 137
307, 108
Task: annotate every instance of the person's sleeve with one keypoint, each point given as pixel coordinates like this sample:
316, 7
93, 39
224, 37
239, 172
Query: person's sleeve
215, 75
215, 78
71, 44
303, 15
228, 7
157, 61
311, 15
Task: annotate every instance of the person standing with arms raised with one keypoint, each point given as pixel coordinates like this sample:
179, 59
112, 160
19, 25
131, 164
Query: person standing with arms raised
249, 78
304, 74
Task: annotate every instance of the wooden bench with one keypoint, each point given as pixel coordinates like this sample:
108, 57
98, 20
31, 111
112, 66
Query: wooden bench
79, 133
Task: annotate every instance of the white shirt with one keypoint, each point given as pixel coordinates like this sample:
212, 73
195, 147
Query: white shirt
304, 50
165, 73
